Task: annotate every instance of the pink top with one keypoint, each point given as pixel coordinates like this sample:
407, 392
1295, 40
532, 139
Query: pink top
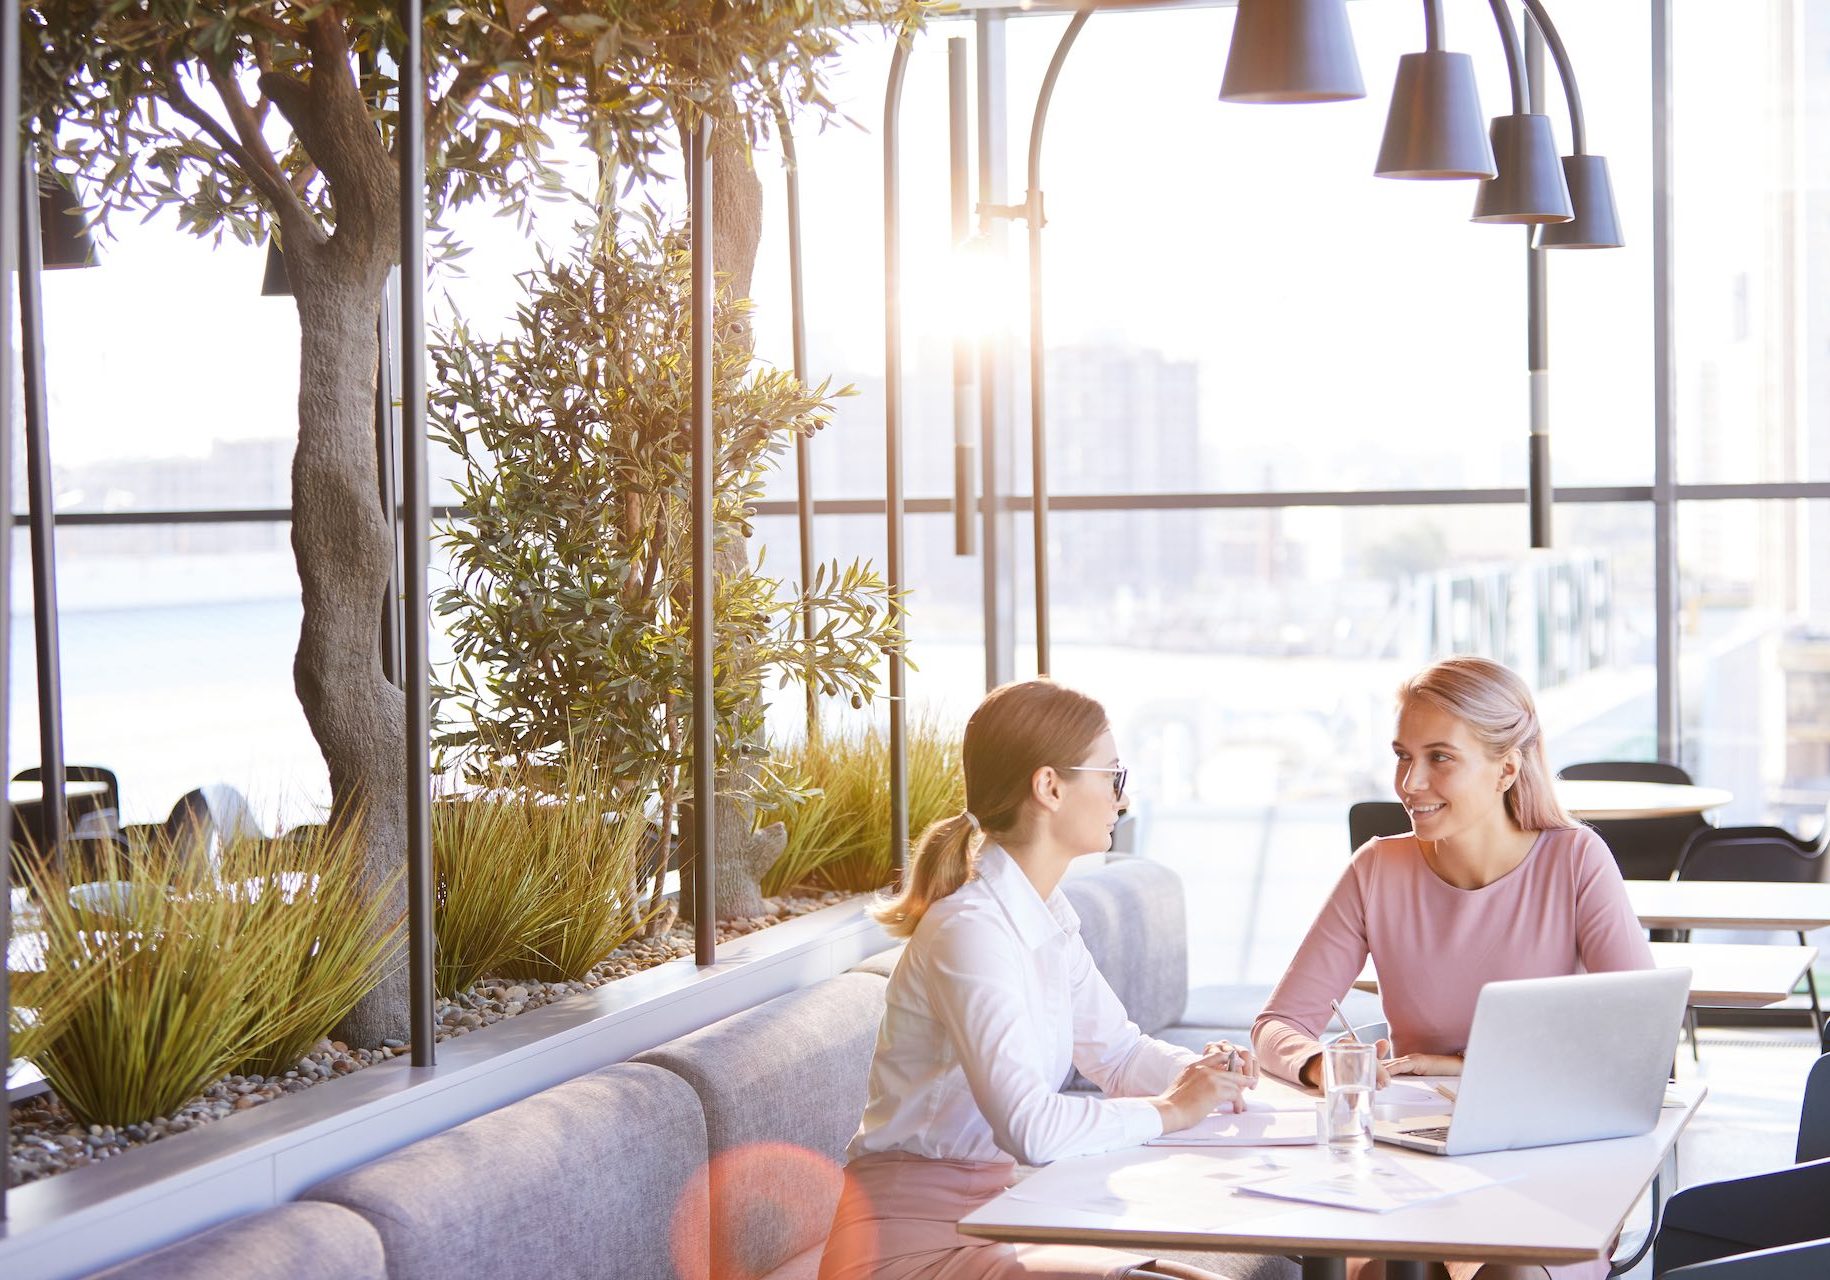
1562, 910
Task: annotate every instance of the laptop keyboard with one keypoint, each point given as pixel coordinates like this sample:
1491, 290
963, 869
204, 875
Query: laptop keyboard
1440, 1134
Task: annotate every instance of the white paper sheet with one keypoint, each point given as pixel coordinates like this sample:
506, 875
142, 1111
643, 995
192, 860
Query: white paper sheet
1253, 1129
1375, 1184
1187, 1191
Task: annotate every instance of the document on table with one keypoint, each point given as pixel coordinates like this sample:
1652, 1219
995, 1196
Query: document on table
1418, 1092
1376, 1184
1184, 1191
1251, 1129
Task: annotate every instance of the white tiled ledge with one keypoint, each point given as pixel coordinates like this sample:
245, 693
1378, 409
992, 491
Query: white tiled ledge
92, 1217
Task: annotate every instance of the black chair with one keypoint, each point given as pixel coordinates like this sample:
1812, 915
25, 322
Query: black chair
1369, 818
97, 815
1643, 848
1771, 1226
1814, 1115
1625, 771
1770, 854
199, 820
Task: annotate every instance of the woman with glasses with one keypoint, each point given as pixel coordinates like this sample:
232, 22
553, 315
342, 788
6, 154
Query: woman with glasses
1494, 881
993, 999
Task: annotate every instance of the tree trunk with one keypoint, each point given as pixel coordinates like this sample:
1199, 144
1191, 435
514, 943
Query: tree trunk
340, 537
737, 206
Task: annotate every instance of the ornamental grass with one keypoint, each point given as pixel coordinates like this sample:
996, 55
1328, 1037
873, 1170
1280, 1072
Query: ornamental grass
838, 838
159, 977
539, 878
489, 892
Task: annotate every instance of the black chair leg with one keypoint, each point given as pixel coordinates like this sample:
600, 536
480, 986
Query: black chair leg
1817, 1009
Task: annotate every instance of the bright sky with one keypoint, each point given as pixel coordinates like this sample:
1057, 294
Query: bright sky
1366, 318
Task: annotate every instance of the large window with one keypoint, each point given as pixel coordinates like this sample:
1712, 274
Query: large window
1234, 307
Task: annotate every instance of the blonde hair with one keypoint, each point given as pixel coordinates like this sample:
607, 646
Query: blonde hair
1017, 729
1494, 702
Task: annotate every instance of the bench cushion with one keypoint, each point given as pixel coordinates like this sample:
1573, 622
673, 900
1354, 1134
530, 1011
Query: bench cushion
290, 1242
783, 1086
1134, 922
602, 1175
882, 964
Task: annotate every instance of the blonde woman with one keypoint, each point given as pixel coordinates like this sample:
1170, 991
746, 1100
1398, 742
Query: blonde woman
1494, 881
992, 1001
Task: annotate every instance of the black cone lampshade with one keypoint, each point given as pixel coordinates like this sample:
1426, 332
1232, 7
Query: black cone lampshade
1435, 128
1292, 51
1530, 187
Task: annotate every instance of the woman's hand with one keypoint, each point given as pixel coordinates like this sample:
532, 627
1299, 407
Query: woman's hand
1206, 1085
1418, 1064
1239, 1061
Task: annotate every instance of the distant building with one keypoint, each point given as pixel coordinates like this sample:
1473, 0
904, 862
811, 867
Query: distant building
1125, 420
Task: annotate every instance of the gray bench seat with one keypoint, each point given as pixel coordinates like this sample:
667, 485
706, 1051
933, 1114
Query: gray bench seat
290, 1242
782, 1086
603, 1175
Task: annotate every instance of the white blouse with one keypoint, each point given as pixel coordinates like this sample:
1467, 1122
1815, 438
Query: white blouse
993, 999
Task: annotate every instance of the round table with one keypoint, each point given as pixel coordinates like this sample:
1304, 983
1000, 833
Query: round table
27, 793
1613, 801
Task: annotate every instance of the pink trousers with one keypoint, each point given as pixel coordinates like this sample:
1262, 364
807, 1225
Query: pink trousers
898, 1219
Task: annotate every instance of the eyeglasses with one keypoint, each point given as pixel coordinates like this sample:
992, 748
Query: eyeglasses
1119, 775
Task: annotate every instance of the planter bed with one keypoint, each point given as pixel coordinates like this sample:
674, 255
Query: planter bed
70, 1224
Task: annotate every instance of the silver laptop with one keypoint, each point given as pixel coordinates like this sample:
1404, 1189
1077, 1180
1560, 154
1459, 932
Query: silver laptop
1555, 1060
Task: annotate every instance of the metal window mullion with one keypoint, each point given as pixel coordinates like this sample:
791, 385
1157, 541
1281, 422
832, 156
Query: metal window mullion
1664, 394
41, 513
9, 249
1541, 497
892, 449
416, 531
704, 459
997, 522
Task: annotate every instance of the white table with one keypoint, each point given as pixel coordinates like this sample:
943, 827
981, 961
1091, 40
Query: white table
1722, 974
1551, 1205
1613, 801
29, 793
1736, 975
1730, 904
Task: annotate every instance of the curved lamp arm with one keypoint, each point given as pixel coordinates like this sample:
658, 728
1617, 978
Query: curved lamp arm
1515, 57
797, 314
1038, 431
1565, 72
1432, 25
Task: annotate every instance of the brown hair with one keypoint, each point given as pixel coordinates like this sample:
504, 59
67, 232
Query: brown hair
1016, 730
1494, 702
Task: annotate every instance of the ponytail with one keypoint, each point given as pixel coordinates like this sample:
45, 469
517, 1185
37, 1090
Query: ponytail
944, 860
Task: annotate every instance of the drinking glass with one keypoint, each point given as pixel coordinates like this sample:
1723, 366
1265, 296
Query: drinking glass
1350, 1072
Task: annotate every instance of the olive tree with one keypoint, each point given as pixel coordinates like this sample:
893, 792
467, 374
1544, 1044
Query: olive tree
257, 117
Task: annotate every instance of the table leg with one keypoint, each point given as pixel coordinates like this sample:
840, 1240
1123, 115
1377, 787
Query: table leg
1324, 1268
